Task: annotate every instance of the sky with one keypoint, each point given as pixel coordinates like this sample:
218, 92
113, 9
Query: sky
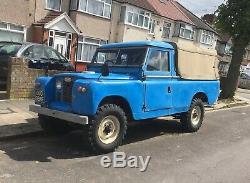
201, 7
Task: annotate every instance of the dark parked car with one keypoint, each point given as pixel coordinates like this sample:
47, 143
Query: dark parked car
244, 81
39, 57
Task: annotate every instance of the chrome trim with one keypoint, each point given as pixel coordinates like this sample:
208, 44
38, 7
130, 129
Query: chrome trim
74, 118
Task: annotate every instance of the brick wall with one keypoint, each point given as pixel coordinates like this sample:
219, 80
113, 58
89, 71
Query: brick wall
21, 79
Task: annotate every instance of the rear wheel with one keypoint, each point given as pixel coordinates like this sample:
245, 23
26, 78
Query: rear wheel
107, 129
192, 120
54, 126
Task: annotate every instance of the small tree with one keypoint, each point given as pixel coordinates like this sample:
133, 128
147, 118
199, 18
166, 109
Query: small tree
234, 19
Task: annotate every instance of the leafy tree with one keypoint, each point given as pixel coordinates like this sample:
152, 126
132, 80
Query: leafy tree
234, 19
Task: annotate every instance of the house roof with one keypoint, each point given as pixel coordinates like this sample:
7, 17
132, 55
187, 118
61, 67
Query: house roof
196, 20
139, 3
164, 8
48, 18
54, 17
168, 9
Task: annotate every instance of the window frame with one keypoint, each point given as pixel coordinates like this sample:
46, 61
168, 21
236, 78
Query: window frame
207, 33
168, 27
87, 12
151, 23
186, 27
157, 73
84, 42
137, 11
47, 8
8, 29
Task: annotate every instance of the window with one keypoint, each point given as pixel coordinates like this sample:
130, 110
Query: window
105, 55
158, 61
121, 57
53, 5
207, 37
186, 32
51, 38
134, 56
152, 26
11, 32
87, 48
94, 7
9, 49
35, 52
69, 41
73, 4
166, 30
137, 17
228, 49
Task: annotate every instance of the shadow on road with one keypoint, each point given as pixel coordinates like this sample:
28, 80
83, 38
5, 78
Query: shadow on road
43, 148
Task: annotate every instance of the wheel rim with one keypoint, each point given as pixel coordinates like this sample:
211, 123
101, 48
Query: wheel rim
109, 129
196, 115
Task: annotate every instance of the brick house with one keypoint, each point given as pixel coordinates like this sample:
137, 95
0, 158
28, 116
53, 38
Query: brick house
77, 27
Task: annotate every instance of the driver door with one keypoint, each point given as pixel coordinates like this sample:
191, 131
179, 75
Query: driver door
158, 81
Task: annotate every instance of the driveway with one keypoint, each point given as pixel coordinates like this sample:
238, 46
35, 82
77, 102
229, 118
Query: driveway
219, 152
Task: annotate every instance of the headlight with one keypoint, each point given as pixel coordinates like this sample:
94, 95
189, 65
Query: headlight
58, 85
82, 89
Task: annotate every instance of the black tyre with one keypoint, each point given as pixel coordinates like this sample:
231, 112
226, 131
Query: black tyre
192, 120
54, 126
107, 129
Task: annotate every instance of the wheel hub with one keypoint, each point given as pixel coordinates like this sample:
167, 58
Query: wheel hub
109, 129
196, 115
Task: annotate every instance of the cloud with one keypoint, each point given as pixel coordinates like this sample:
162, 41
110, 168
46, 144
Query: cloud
201, 7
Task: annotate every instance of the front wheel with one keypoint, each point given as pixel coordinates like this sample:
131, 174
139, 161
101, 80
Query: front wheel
192, 120
107, 129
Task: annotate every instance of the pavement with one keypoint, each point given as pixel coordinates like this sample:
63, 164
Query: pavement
218, 153
17, 120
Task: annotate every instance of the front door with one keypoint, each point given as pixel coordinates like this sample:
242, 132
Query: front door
158, 83
60, 44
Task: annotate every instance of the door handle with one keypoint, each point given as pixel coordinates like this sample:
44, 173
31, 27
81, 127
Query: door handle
169, 89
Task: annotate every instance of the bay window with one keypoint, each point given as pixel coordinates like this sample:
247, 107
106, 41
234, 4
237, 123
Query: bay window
53, 5
94, 7
87, 48
186, 31
11, 32
207, 37
136, 17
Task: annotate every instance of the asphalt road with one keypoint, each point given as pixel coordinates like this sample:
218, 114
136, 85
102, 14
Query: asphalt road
219, 152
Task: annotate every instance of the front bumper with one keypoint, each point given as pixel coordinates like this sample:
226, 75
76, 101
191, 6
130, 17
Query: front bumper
74, 118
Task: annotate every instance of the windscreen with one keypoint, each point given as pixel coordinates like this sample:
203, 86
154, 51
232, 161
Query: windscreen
9, 49
121, 57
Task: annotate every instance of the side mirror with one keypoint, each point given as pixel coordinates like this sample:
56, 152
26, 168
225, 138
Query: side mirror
105, 69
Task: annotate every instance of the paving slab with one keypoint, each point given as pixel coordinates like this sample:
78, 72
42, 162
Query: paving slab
16, 119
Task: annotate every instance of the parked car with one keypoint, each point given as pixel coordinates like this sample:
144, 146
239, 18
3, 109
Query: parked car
127, 82
245, 80
39, 56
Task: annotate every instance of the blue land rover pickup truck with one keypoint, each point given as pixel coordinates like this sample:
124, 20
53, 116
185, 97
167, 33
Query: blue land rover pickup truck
125, 82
